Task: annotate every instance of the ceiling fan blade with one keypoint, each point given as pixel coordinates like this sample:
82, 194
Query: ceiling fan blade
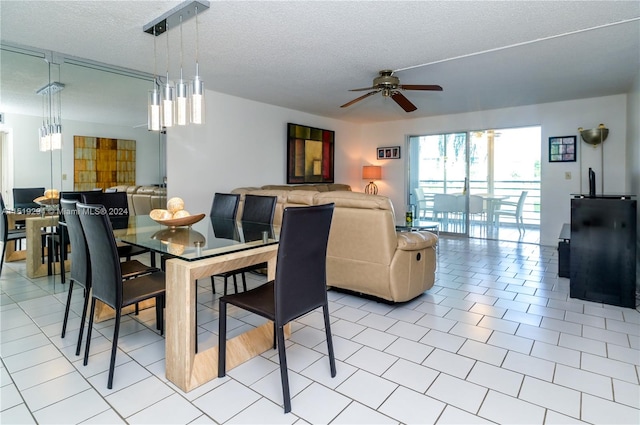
403, 102
363, 89
431, 87
359, 99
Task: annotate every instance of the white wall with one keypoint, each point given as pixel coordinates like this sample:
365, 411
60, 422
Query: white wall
33, 168
556, 119
244, 143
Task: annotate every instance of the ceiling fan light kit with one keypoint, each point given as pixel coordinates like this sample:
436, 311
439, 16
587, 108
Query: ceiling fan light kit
389, 85
164, 108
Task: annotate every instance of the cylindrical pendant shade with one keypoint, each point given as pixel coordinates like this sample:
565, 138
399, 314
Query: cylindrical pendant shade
197, 101
182, 103
56, 137
153, 122
371, 172
168, 103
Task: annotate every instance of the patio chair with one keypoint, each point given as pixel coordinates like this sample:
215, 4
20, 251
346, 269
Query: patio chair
511, 209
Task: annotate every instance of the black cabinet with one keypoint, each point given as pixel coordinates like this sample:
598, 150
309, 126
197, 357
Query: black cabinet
603, 249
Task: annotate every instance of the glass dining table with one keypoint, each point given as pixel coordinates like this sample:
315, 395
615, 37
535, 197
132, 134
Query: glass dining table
207, 248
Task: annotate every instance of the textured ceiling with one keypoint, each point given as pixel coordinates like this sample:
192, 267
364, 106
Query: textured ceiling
306, 55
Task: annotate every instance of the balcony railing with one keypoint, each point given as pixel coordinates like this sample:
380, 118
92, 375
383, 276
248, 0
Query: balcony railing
510, 188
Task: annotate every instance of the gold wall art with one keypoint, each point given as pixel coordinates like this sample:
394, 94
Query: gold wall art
100, 162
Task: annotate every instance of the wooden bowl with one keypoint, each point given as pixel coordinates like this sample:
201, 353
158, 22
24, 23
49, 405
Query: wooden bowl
184, 221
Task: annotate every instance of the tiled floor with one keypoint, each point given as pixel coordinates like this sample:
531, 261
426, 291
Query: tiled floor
495, 340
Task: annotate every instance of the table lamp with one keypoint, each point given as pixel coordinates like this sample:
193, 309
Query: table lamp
371, 173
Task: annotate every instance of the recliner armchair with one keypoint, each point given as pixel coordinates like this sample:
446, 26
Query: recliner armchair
367, 255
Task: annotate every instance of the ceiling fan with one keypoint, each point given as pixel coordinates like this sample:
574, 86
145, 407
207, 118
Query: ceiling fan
390, 85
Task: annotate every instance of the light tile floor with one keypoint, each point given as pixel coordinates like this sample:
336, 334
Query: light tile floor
497, 339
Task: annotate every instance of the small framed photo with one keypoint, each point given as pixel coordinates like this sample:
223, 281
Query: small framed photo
562, 149
389, 152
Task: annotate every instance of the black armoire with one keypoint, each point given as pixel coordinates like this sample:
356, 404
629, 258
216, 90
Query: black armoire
603, 249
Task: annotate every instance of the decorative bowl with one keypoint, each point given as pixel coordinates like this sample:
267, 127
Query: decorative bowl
183, 221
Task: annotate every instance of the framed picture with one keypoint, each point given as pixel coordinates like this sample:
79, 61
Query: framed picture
562, 149
389, 152
310, 153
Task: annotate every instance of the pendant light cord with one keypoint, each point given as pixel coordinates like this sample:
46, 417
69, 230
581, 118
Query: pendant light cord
167, 31
155, 60
181, 48
197, 42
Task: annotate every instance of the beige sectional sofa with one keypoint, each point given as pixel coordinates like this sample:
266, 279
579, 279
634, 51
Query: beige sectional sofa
365, 253
143, 199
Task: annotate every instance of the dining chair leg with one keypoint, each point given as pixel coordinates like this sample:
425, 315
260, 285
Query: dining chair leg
84, 317
63, 256
327, 328
213, 286
66, 310
222, 339
49, 259
226, 281
160, 314
114, 350
284, 376
244, 282
88, 343
4, 248
235, 284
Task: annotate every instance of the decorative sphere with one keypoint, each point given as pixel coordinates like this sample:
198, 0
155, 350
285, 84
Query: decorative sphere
175, 204
181, 214
51, 194
159, 214
175, 249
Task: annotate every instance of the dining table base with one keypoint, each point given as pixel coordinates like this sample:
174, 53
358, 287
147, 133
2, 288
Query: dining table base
184, 367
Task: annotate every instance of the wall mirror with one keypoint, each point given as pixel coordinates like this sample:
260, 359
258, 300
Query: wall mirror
97, 101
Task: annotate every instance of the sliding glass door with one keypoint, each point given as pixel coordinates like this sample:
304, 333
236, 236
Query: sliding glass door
438, 179
471, 183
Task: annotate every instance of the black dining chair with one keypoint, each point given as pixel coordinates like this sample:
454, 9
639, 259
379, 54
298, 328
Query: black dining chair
7, 234
299, 286
107, 283
59, 241
117, 207
23, 199
257, 209
23, 204
224, 207
80, 264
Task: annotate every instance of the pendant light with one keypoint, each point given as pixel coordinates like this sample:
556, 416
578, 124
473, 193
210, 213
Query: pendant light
153, 119
197, 88
184, 103
50, 134
182, 107
168, 94
45, 139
